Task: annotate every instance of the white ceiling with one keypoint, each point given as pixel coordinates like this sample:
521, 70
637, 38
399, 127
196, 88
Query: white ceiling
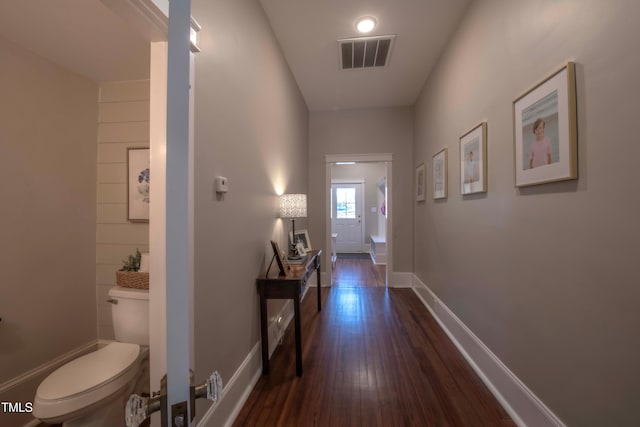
88, 38
81, 35
308, 30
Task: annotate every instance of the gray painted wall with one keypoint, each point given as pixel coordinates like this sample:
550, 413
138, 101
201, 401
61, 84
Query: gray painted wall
546, 276
251, 125
378, 130
48, 190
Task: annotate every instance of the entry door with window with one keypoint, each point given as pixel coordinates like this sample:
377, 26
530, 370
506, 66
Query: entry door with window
346, 216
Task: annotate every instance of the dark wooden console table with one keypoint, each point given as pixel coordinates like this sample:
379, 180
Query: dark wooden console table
291, 287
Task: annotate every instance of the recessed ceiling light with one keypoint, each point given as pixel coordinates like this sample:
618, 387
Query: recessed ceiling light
366, 24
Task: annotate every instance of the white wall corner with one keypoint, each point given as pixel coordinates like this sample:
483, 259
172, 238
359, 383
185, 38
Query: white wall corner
524, 407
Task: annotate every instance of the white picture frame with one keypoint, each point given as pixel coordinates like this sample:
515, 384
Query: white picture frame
301, 236
420, 183
473, 160
440, 174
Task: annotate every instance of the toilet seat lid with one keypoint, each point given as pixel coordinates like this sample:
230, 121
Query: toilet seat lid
88, 371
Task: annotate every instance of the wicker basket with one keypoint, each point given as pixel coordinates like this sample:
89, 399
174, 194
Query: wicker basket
132, 279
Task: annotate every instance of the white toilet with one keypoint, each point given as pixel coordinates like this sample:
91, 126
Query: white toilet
93, 389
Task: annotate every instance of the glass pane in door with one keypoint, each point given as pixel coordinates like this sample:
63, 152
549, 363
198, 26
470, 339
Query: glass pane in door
345, 203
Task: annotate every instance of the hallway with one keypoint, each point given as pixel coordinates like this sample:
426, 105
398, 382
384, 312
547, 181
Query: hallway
357, 270
372, 357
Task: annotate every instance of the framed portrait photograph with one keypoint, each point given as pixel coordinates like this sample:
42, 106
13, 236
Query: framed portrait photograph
440, 174
473, 160
138, 181
301, 236
545, 130
420, 183
300, 250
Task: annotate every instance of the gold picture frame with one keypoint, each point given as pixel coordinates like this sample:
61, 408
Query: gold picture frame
545, 130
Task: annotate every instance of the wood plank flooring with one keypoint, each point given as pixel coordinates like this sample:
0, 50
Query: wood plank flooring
373, 357
358, 271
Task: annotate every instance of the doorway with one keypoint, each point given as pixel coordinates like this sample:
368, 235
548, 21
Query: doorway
358, 193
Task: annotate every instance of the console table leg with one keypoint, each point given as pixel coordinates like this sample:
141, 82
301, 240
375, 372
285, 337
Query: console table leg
296, 308
264, 331
319, 290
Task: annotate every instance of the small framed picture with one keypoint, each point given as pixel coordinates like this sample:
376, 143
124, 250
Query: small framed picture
279, 258
138, 180
440, 174
473, 160
420, 183
545, 130
301, 236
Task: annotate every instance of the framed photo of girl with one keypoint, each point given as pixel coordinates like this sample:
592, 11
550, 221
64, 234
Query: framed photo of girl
545, 130
473, 160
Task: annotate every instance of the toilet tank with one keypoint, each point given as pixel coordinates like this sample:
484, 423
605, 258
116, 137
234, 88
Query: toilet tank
130, 314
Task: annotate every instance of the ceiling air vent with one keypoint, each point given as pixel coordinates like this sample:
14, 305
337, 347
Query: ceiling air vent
365, 52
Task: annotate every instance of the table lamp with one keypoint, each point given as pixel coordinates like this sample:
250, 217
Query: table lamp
293, 206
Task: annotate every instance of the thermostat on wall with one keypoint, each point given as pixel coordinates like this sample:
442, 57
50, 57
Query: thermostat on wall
222, 184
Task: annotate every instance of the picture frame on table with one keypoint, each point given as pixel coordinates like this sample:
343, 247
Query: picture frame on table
420, 183
300, 251
301, 236
440, 174
473, 160
138, 184
545, 130
280, 260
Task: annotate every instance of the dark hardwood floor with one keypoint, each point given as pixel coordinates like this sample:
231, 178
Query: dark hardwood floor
351, 270
373, 357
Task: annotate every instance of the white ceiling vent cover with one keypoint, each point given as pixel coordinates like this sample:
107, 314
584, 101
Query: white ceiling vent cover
365, 52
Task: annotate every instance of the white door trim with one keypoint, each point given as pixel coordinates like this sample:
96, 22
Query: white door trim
179, 205
386, 158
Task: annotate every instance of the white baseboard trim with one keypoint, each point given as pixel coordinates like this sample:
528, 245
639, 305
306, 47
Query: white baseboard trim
401, 280
524, 407
48, 367
236, 392
240, 386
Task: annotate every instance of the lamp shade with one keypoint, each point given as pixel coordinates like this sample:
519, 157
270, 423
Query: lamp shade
293, 206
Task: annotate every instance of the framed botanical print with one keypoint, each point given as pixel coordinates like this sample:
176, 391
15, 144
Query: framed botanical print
440, 174
545, 130
138, 182
473, 160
